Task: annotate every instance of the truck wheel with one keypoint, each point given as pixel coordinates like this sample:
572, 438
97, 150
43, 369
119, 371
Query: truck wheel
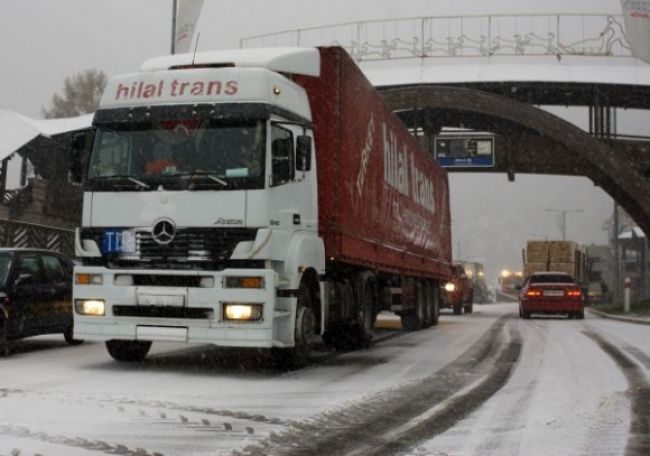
364, 326
69, 338
469, 308
458, 309
435, 304
128, 350
298, 355
414, 319
580, 315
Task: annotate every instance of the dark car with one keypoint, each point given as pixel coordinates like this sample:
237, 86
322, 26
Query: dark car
551, 293
35, 295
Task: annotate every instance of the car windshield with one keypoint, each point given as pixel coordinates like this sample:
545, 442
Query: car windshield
164, 152
551, 278
5, 265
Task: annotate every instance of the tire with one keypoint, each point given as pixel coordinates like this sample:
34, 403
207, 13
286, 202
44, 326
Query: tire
129, 351
434, 304
469, 308
431, 304
5, 343
410, 321
364, 327
580, 315
297, 356
458, 309
69, 337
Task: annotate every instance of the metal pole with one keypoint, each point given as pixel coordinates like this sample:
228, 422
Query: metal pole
617, 259
174, 12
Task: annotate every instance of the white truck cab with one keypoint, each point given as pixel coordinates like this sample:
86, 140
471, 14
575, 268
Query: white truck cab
200, 213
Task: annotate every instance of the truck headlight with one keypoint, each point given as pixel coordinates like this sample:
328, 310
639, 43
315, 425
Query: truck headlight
242, 312
87, 279
94, 307
450, 287
243, 282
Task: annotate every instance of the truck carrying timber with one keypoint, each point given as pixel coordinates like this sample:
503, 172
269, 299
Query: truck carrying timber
558, 256
254, 198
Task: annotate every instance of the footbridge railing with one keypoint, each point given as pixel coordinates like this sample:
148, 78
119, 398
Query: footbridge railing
464, 36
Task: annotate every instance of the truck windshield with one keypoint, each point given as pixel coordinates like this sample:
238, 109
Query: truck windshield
191, 154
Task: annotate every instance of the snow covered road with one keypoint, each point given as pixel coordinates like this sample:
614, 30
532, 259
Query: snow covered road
486, 383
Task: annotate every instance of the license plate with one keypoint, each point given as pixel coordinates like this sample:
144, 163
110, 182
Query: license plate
161, 300
553, 292
118, 241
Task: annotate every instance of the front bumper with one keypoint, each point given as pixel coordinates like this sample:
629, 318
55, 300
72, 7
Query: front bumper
192, 314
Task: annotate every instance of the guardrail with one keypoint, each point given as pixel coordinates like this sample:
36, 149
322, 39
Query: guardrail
21, 234
463, 36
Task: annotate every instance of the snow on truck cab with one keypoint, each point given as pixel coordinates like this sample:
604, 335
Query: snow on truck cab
254, 198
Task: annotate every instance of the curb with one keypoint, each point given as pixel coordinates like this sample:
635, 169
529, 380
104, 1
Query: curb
638, 321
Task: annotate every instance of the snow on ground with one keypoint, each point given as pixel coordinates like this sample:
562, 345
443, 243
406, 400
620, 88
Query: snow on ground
565, 395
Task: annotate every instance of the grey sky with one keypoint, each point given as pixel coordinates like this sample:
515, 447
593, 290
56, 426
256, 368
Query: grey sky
44, 41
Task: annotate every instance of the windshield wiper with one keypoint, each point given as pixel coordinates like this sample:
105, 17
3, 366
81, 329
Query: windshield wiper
210, 176
139, 183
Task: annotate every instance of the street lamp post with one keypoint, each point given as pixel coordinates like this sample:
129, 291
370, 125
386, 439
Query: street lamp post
564, 212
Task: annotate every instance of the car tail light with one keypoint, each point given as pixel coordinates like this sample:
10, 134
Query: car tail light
533, 293
574, 293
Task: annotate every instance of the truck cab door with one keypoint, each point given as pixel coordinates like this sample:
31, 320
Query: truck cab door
292, 203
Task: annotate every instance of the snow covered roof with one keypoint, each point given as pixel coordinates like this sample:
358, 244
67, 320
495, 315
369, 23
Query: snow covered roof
632, 233
17, 130
282, 59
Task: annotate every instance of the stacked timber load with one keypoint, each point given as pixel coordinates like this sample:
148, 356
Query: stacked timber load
537, 257
560, 256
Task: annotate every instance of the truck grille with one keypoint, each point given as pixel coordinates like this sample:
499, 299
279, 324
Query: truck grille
163, 312
188, 245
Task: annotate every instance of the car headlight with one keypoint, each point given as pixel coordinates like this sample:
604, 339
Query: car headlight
94, 307
450, 287
242, 312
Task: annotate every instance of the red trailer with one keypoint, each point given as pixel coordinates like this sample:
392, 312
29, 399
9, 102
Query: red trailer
383, 200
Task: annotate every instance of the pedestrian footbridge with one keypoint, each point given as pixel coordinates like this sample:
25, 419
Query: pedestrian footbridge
493, 73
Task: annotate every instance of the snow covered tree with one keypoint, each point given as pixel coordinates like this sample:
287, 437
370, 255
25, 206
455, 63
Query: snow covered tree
80, 95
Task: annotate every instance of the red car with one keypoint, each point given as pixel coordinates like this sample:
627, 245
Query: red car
460, 291
551, 293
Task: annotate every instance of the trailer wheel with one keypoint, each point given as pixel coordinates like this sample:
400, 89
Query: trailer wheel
298, 355
128, 350
458, 309
435, 303
414, 319
364, 326
469, 308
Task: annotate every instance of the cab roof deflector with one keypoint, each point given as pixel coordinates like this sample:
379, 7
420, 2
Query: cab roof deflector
296, 60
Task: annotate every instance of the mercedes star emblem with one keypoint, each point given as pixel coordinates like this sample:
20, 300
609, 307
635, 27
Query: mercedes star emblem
163, 232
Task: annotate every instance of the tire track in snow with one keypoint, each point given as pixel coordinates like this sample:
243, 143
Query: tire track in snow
75, 442
360, 425
638, 443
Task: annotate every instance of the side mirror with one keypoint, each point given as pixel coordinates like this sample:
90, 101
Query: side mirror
78, 154
303, 153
